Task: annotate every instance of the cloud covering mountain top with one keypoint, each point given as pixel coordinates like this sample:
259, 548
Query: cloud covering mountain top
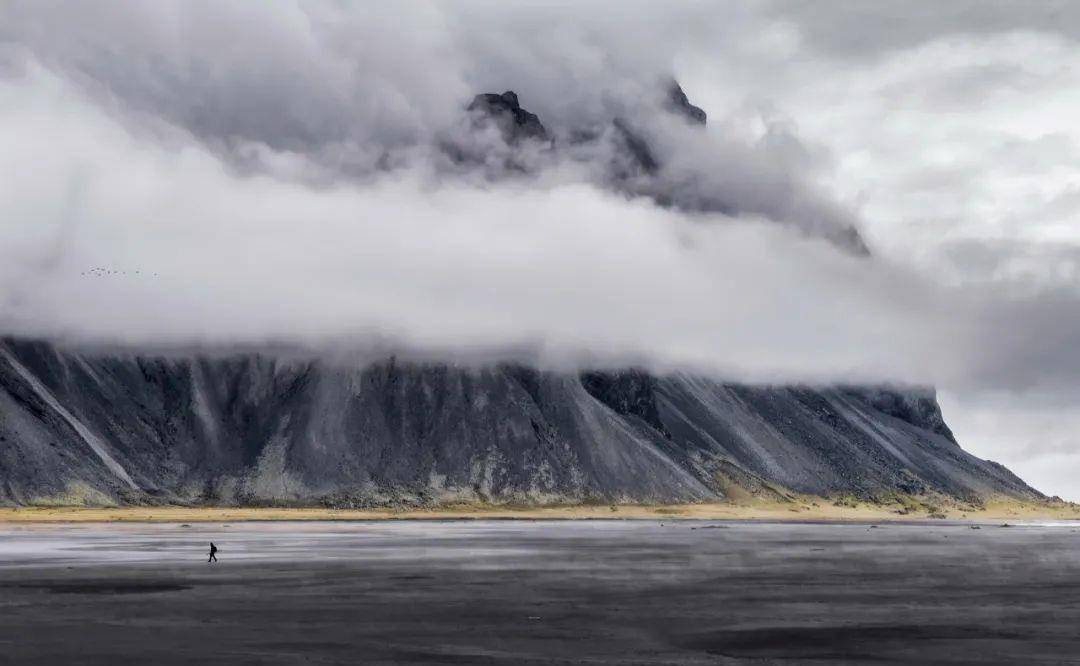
182, 173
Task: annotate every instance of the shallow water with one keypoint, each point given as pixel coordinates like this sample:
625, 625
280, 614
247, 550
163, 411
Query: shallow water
512, 592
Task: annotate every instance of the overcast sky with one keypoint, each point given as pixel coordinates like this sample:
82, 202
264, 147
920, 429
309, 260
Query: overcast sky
216, 172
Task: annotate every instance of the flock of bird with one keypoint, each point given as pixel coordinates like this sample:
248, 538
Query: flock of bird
100, 271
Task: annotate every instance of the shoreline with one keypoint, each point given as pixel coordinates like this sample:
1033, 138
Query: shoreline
815, 512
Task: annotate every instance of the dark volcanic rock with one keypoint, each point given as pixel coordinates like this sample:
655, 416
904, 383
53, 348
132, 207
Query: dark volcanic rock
918, 407
633, 156
514, 122
679, 103
629, 393
258, 429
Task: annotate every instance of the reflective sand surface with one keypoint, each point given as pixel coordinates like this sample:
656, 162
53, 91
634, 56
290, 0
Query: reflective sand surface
512, 592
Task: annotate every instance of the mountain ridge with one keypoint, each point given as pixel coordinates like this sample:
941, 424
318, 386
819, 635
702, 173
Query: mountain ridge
250, 429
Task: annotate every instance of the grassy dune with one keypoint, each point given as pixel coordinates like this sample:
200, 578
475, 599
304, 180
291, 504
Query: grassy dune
802, 509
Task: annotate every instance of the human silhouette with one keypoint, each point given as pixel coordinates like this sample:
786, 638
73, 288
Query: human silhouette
213, 553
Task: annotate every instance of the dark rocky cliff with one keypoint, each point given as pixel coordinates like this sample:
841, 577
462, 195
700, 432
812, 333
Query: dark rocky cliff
250, 429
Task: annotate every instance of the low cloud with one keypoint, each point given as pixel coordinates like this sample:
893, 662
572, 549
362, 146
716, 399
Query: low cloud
137, 243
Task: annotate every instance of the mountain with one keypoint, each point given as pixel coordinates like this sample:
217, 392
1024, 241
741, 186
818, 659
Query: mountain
96, 426
103, 427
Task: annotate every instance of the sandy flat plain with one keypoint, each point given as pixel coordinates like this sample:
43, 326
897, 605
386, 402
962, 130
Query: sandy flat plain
650, 591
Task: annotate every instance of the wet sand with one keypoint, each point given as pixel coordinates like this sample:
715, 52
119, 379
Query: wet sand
547, 592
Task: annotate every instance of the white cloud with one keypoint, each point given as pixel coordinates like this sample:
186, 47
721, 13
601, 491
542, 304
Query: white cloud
577, 272
228, 257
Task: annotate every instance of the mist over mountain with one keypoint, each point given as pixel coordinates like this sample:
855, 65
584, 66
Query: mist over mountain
747, 195
101, 427
327, 186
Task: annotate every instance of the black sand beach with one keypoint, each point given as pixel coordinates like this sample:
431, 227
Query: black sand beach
612, 592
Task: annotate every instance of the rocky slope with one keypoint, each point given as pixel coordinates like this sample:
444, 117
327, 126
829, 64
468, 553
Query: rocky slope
80, 427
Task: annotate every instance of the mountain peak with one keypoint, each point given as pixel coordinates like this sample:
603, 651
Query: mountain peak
679, 103
513, 121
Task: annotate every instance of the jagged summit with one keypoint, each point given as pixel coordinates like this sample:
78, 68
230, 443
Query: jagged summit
514, 122
628, 157
679, 103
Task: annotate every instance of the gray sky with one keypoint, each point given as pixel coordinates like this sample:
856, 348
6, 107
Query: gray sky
272, 172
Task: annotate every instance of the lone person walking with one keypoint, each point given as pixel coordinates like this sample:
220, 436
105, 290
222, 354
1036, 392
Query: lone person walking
213, 553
